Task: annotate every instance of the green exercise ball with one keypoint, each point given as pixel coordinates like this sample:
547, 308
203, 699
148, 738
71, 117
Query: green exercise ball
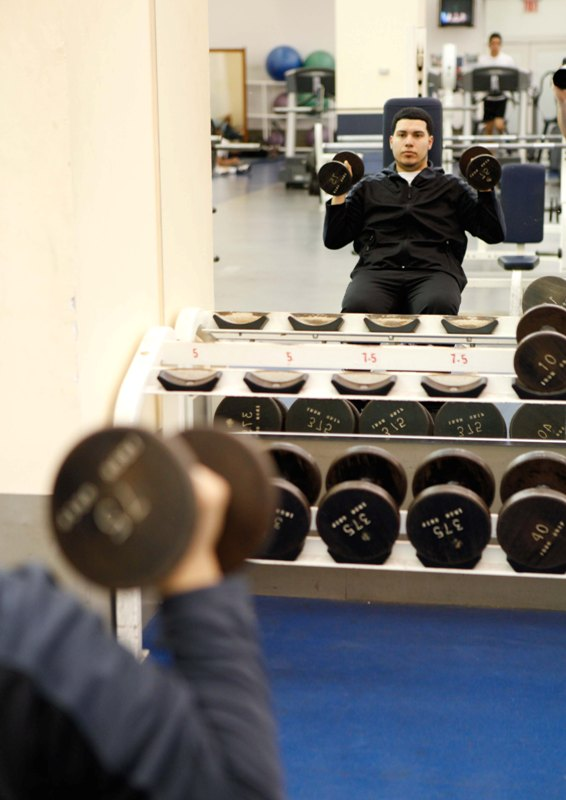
319, 59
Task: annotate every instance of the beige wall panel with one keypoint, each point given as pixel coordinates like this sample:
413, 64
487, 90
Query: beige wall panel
376, 51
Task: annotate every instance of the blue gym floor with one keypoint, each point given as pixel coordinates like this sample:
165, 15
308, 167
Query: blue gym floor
417, 703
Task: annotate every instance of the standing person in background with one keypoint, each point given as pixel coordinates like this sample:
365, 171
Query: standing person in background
560, 95
494, 104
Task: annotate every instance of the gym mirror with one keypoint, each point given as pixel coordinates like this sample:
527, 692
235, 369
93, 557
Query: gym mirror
228, 88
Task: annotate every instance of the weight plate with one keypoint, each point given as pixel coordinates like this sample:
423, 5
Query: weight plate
358, 522
455, 466
373, 464
123, 507
391, 323
559, 78
540, 361
316, 322
322, 416
543, 317
296, 465
354, 161
248, 320
531, 529
539, 468
476, 420
468, 154
548, 289
469, 324
376, 383
442, 385
545, 421
449, 526
484, 171
334, 178
249, 471
396, 418
251, 413
273, 380
291, 524
188, 380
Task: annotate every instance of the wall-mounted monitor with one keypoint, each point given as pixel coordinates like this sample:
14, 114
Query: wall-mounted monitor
456, 13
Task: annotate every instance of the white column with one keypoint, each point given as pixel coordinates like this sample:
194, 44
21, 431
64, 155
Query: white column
379, 47
105, 217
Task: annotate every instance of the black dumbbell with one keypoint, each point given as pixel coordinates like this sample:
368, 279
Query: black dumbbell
358, 517
333, 415
458, 419
540, 357
544, 421
251, 413
123, 507
531, 525
396, 418
480, 167
547, 289
334, 177
298, 485
448, 520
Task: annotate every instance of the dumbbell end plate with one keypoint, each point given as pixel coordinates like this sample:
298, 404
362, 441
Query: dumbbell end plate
115, 490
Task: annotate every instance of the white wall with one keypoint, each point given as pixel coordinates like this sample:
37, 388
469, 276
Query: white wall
306, 25
102, 233
105, 218
376, 58
258, 25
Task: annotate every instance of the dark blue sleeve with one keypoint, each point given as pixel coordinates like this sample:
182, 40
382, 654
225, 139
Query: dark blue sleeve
78, 706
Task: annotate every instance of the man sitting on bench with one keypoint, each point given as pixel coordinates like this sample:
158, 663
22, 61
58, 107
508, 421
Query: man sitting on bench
408, 224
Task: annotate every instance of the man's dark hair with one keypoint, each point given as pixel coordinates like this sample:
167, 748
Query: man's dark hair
412, 112
495, 36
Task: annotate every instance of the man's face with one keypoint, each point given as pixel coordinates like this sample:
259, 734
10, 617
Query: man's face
410, 144
495, 46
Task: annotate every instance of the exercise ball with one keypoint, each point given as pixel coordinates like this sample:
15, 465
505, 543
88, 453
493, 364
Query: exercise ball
276, 138
280, 59
311, 100
309, 138
320, 59
281, 100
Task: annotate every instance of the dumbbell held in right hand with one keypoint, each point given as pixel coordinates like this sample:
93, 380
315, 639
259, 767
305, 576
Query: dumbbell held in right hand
124, 509
335, 178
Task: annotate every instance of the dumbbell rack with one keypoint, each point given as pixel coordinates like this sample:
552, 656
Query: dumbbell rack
197, 341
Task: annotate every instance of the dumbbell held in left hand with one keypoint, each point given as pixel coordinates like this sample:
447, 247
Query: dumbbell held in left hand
334, 177
124, 509
480, 168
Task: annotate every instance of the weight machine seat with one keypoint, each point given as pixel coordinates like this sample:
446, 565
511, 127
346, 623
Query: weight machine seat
522, 200
519, 261
432, 105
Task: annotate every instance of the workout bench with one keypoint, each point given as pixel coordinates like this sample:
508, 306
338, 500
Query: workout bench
522, 199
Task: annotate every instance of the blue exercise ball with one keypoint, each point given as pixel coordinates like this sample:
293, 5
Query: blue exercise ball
280, 59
